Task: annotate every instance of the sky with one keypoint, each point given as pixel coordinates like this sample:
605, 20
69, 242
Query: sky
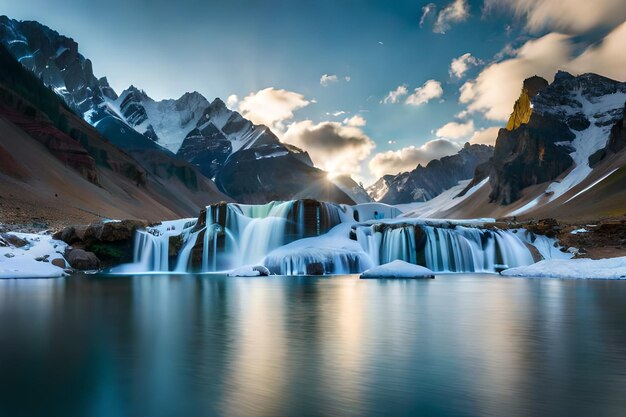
367, 87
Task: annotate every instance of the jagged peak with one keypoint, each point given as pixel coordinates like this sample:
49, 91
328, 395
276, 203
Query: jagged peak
136, 92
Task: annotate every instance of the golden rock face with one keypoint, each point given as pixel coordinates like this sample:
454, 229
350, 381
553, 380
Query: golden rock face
521, 111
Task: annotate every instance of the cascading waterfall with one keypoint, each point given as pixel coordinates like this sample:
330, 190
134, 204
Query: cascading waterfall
293, 238
444, 248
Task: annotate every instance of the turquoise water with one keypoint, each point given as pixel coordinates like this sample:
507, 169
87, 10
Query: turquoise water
458, 345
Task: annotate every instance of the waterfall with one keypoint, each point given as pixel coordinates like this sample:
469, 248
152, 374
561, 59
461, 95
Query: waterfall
310, 237
444, 248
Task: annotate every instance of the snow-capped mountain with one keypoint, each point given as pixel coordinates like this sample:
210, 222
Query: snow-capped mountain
561, 155
426, 182
165, 121
207, 135
568, 122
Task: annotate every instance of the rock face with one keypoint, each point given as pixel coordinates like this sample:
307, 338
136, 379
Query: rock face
528, 155
522, 108
564, 126
616, 142
56, 61
425, 183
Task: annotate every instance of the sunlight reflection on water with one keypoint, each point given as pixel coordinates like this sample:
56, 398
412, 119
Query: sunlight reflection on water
462, 345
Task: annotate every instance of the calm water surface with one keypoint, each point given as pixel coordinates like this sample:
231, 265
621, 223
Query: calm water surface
464, 345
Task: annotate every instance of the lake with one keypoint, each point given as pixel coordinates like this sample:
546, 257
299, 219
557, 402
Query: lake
206, 345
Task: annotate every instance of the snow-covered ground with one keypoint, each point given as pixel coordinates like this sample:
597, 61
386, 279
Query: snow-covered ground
612, 268
398, 269
444, 201
22, 263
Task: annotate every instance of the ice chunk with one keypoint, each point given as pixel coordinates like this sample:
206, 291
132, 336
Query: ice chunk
398, 269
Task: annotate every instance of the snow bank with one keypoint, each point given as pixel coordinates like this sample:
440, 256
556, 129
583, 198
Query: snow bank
398, 269
331, 253
613, 268
22, 263
249, 271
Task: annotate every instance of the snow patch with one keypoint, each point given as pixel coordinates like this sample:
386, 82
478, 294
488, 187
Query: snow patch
613, 268
21, 263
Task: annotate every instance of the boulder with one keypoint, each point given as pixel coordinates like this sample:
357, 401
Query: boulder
8, 239
82, 260
60, 262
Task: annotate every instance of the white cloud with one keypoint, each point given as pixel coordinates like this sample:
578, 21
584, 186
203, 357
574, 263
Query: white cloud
394, 96
486, 136
455, 12
422, 95
455, 130
232, 101
569, 16
334, 147
462, 114
407, 159
272, 107
426, 11
607, 58
328, 79
355, 120
497, 87
460, 65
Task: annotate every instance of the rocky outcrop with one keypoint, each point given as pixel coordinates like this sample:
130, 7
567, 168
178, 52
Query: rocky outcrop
111, 242
522, 108
425, 183
527, 156
55, 60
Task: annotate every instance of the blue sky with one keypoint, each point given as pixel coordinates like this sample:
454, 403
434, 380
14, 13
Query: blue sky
241, 47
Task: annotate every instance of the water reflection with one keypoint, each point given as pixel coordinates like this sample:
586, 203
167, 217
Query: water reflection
208, 345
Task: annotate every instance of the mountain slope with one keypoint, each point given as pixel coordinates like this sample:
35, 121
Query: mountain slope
425, 183
52, 160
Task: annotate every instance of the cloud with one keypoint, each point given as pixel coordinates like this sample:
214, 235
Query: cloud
272, 107
394, 96
422, 95
455, 12
460, 65
607, 58
334, 147
427, 10
232, 101
571, 16
486, 136
497, 87
407, 159
455, 130
328, 79
355, 120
